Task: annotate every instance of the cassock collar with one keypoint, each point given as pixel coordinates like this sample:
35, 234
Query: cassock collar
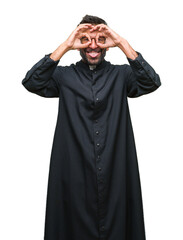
85, 66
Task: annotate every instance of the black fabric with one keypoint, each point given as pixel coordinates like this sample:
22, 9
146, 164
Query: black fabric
94, 187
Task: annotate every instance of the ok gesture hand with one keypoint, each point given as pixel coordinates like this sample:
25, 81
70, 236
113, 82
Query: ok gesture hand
74, 40
112, 38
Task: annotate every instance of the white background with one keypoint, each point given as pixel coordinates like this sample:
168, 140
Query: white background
31, 29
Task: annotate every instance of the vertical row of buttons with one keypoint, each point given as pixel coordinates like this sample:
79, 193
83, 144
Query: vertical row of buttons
98, 148
97, 137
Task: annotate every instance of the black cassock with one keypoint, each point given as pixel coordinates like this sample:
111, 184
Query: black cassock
94, 190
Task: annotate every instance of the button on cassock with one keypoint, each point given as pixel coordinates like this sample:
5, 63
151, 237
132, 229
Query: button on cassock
102, 228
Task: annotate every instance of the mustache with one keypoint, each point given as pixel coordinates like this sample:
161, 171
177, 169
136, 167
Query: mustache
88, 50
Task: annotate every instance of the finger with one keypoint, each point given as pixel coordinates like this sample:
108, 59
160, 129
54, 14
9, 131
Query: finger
85, 45
99, 26
80, 29
103, 28
100, 29
94, 28
86, 25
84, 34
83, 27
102, 45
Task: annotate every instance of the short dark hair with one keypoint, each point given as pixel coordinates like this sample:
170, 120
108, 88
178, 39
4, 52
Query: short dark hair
93, 20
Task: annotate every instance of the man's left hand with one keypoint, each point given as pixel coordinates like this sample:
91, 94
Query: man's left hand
112, 38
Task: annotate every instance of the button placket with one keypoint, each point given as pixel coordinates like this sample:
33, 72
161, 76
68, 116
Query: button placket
102, 228
99, 167
101, 194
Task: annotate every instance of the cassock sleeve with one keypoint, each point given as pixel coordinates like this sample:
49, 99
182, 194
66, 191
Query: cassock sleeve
141, 77
42, 78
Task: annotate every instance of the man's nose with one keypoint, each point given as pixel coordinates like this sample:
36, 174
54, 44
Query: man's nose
93, 43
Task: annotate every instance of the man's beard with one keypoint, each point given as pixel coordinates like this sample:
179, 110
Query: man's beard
86, 60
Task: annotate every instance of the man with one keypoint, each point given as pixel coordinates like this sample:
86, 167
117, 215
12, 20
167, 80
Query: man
94, 186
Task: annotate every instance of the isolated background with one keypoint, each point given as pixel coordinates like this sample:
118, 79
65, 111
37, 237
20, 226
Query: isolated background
31, 29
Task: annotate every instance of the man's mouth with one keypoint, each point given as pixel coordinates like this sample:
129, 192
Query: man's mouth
93, 53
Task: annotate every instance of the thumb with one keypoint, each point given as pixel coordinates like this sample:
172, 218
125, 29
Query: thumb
102, 45
85, 45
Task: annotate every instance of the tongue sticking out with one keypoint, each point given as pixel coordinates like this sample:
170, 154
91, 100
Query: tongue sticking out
93, 54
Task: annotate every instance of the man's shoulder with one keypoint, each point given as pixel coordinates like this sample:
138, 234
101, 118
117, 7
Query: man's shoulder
64, 68
119, 66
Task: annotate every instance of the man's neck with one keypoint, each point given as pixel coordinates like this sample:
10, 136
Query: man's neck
92, 67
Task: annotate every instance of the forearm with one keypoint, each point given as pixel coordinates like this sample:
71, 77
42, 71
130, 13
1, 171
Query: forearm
59, 52
141, 77
127, 49
42, 78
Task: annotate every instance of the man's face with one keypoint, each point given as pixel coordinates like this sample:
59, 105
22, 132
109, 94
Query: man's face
93, 54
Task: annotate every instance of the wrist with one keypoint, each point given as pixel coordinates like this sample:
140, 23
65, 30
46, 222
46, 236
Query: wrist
59, 52
127, 49
123, 44
65, 46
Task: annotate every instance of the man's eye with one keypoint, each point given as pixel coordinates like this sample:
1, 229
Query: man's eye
101, 40
84, 40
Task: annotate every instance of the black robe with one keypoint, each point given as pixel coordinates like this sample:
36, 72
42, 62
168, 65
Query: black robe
94, 187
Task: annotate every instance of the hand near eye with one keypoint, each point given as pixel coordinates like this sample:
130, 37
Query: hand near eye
74, 40
112, 38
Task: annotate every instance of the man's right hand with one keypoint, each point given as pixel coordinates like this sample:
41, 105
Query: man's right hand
74, 42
